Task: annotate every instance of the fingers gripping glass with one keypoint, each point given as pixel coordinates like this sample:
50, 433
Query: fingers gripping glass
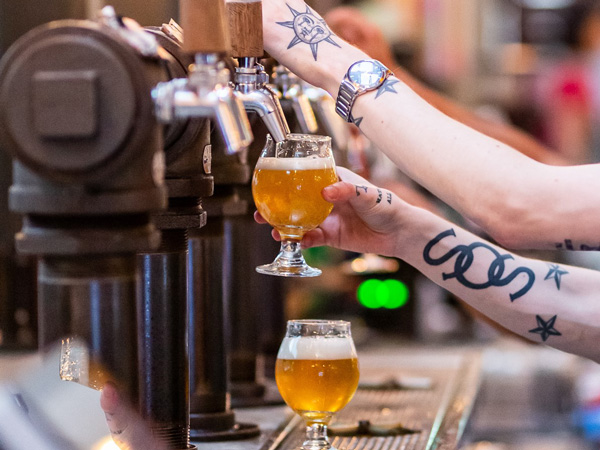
286, 187
317, 374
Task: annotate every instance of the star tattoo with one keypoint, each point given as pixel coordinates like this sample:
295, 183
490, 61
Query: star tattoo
387, 86
545, 328
357, 121
308, 29
556, 273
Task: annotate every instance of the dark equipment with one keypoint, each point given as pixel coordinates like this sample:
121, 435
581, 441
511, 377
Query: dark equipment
78, 121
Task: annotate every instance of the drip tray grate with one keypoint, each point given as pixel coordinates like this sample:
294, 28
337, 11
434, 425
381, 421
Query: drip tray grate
436, 411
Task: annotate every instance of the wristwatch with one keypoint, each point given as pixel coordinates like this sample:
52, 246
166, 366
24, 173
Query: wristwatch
362, 76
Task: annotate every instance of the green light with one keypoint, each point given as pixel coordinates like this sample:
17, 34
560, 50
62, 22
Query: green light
366, 294
398, 294
382, 295
390, 294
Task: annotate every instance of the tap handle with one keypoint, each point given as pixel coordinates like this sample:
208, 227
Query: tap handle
204, 24
245, 28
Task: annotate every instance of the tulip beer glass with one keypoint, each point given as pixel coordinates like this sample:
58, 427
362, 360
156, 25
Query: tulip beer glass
286, 187
317, 374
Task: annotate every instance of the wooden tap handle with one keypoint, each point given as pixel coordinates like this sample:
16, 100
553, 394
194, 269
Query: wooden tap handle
204, 24
245, 28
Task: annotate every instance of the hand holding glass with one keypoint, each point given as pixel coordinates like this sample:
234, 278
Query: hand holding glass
317, 374
286, 187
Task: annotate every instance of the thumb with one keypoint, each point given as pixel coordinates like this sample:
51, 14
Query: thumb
376, 207
338, 192
362, 197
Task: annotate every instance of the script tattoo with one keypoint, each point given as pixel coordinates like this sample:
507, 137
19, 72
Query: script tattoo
379, 196
389, 198
387, 86
465, 259
556, 273
308, 29
358, 188
545, 328
568, 245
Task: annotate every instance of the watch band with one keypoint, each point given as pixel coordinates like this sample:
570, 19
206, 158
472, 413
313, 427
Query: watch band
345, 100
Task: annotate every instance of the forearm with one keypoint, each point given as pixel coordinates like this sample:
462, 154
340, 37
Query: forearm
520, 202
506, 133
540, 301
353, 26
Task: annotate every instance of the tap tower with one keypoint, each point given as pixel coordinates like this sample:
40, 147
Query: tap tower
78, 120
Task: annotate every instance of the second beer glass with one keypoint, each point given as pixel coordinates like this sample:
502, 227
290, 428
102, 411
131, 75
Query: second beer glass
286, 187
317, 374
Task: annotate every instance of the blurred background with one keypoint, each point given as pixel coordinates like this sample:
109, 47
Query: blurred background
534, 64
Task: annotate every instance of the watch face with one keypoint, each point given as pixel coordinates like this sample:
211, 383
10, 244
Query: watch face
367, 74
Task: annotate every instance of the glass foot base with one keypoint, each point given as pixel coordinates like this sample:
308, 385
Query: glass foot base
315, 446
287, 271
289, 262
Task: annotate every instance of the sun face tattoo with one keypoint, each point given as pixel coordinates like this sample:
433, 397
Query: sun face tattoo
308, 29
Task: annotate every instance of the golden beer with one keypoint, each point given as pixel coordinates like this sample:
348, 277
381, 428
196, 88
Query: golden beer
317, 388
317, 376
287, 192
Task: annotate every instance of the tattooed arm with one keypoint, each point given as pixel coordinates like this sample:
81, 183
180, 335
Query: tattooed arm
353, 26
544, 302
518, 201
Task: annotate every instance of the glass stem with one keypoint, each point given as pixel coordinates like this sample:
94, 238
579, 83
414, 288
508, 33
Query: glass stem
316, 437
290, 253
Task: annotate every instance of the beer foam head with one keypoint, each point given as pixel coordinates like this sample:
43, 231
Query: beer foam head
308, 163
321, 347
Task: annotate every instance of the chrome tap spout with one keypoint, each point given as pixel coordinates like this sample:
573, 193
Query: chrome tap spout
205, 93
250, 85
265, 103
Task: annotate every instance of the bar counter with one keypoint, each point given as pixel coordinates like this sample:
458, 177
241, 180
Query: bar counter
427, 393
443, 397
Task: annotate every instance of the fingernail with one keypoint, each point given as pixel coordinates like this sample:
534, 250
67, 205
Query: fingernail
330, 193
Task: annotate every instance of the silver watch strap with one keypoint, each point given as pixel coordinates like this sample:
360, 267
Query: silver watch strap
345, 100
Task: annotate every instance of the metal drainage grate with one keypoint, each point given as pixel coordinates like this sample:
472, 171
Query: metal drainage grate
429, 411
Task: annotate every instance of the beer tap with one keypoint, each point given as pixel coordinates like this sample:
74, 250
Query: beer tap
250, 79
204, 38
294, 99
205, 92
250, 242
169, 302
